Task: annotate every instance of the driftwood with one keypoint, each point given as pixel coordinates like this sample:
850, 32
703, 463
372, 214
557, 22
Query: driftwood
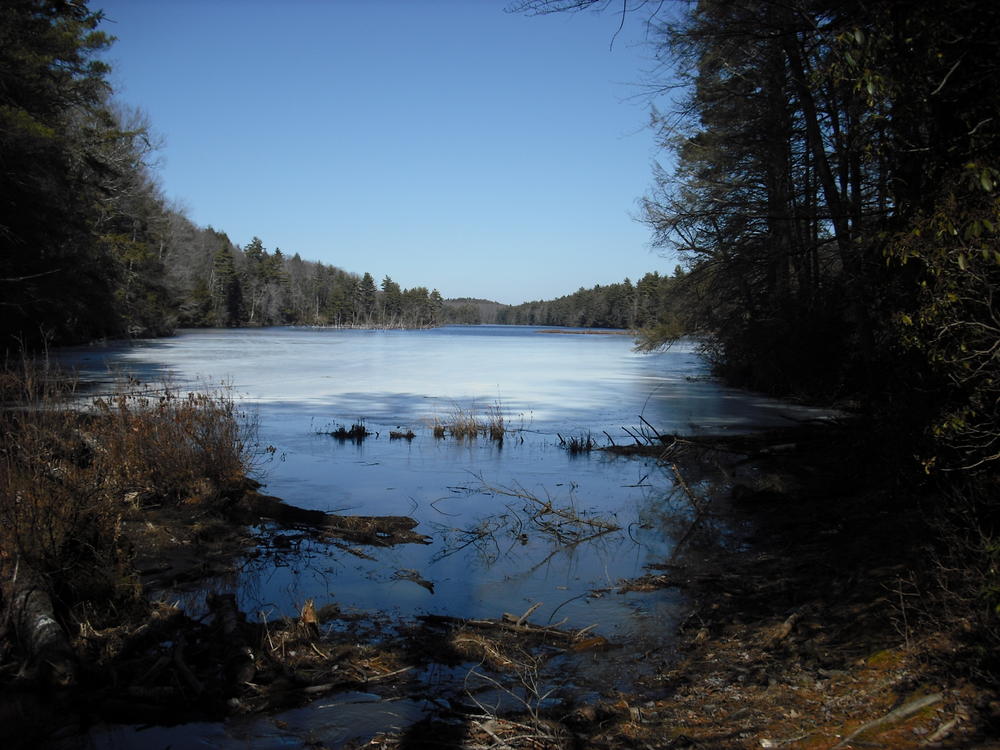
382, 531
514, 624
903, 712
39, 633
509, 643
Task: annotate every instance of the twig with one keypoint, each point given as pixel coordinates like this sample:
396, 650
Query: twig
500, 742
571, 599
532, 608
387, 675
655, 431
687, 490
632, 435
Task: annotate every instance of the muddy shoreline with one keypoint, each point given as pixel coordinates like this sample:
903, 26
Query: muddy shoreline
804, 628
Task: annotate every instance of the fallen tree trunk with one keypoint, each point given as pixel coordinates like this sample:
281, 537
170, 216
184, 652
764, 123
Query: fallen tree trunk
509, 624
38, 632
380, 531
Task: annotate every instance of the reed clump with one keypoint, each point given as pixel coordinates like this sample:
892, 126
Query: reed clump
495, 427
577, 444
465, 424
357, 432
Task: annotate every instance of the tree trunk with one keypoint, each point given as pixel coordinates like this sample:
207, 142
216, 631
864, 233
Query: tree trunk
39, 633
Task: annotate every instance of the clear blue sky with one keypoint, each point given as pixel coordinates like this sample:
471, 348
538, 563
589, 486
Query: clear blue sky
443, 142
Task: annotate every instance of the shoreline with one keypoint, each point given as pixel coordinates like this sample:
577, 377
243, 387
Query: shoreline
586, 332
793, 637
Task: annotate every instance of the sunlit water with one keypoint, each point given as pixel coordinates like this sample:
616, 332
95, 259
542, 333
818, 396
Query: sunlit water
486, 556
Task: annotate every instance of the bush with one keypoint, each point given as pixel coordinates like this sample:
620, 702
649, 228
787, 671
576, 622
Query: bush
172, 447
69, 476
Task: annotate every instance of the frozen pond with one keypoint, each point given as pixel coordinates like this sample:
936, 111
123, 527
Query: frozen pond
485, 556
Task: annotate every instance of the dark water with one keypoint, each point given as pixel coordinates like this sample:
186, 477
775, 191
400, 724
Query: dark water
486, 557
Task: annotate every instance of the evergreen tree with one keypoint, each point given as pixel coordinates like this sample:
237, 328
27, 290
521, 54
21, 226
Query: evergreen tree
55, 279
392, 301
365, 298
226, 289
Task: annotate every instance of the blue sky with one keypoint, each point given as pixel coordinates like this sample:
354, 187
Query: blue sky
443, 142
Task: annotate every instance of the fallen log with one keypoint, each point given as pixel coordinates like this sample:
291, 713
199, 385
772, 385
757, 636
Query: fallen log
510, 624
383, 531
38, 631
505, 625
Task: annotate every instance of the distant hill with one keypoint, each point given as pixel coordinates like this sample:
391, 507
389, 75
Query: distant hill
471, 311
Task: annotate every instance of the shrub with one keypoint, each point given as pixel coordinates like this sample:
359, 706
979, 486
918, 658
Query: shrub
173, 447
69, 476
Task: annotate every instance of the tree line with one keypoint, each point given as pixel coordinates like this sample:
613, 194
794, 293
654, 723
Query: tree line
646, 304
649, 305
218, 283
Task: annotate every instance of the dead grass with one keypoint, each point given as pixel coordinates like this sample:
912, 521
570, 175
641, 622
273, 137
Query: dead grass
69, 476
173, 447
494, 426
466, 424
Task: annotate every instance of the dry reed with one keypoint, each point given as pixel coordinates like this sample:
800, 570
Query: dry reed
464, 424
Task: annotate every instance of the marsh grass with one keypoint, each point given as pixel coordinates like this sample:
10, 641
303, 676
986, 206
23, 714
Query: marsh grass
71, 477
356, 433
466, 424
494, 426
577, 444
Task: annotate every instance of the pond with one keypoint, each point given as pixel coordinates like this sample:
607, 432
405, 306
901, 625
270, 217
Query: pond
474, 498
